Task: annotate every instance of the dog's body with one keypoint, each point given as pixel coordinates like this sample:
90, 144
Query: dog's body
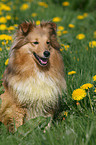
34, 78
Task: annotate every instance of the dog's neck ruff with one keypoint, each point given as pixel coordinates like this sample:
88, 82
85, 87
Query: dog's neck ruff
39, 93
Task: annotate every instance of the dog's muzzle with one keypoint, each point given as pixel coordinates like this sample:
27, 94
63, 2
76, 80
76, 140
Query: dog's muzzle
43, 61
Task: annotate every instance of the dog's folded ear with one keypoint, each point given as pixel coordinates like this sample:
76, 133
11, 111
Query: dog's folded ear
25, 27
54, 41
53, 25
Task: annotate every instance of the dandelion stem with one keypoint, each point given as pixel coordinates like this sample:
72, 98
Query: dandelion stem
85, 103
90, 101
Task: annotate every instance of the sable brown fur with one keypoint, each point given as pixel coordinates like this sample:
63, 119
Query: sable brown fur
34, 78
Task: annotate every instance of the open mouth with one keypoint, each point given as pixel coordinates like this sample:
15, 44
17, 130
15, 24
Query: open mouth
42, 60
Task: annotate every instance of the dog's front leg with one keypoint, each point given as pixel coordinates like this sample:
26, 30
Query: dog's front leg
11, 114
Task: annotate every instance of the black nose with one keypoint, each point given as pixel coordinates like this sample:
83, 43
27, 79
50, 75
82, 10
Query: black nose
46, 53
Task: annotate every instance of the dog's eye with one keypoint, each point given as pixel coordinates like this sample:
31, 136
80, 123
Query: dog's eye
36, 42
48, 42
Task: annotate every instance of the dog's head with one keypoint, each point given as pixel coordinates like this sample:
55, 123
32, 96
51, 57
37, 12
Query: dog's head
37, 41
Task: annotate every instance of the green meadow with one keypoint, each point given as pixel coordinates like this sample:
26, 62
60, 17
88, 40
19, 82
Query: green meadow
76, 32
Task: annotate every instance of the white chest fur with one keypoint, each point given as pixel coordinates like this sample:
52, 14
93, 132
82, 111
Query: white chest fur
37, 92
41, 88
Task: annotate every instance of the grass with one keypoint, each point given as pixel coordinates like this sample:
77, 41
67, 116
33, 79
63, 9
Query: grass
78, 125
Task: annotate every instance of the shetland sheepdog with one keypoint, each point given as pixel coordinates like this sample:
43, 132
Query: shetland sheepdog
34, 78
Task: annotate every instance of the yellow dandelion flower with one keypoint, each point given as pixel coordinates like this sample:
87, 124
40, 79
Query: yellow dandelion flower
59, 33
80, 17
5, 42
86, 86
66, 3
15, 25
8, 48
95, 90
5, 37
66, 47
6, 62
8, 8
71, 72
42, 4
85, 14
92, 44
3, 27
24, 7
34, 14
62, 44
60, 28
4, 7
66, 113
0, 49
3, 20
71, 25
38, 22
80, 36
8, 17
94, 78
56, 19
61, 49
11, 28
78, 94
65, 32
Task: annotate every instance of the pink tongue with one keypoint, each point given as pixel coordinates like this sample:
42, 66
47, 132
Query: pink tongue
43, 62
